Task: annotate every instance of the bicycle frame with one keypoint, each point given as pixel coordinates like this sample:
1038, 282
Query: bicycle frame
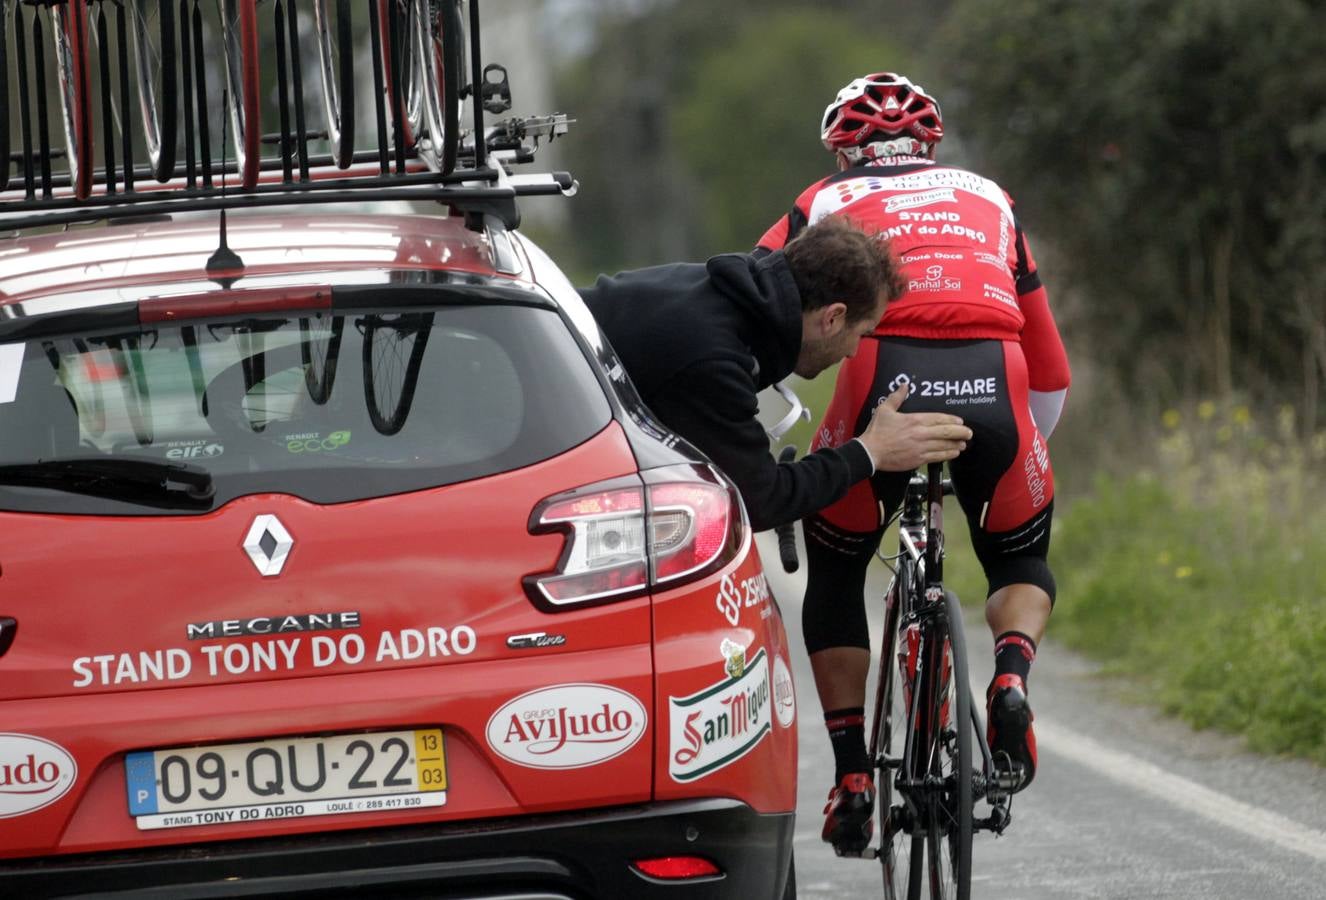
924, 649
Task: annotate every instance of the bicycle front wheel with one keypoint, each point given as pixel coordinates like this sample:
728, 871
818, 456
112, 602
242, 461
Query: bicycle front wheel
901, 851
949, 823
69, 28
438, 27
239, 38
154, 60
336, 54
393, 351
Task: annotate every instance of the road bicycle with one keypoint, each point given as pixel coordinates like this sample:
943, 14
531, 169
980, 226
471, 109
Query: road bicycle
926, 726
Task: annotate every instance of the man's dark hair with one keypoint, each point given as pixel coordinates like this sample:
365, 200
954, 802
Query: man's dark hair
834, 261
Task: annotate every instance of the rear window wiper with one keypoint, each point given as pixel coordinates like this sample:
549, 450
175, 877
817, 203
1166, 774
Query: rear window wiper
146, 482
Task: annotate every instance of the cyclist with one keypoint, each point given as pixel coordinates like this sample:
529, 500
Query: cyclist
972, 334
700, 340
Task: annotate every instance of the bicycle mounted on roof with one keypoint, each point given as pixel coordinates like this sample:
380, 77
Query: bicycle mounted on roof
419, 56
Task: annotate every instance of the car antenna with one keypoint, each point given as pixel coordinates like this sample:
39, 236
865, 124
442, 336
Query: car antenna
223, 259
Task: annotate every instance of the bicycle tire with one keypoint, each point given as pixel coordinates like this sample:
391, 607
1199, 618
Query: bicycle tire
899, 849
6, 165
69, 34
438, 29
155, 67
239, 40
397, 53
319, 383
338, 79
949, 835
392, 423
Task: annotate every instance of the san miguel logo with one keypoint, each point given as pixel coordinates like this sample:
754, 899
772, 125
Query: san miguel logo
567, 727
33, 773
720, 724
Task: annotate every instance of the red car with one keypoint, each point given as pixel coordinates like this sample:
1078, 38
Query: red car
366, 570
339, 555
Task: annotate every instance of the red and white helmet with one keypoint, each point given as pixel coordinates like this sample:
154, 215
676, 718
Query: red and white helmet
884, 103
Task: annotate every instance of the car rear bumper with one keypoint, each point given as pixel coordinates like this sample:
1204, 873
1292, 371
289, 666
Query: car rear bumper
570, 856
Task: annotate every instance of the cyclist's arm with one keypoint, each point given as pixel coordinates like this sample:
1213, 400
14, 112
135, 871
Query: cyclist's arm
789, 225
1047, 362
713, 405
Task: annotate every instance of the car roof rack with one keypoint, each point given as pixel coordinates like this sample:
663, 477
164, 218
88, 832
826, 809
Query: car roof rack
422, 150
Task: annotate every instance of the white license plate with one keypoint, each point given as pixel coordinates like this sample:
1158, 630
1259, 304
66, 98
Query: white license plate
287, 778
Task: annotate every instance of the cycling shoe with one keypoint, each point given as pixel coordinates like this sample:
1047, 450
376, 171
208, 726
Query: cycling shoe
1009, 732
848, 824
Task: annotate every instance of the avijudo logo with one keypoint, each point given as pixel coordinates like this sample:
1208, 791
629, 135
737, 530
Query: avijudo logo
568, 726
33, 773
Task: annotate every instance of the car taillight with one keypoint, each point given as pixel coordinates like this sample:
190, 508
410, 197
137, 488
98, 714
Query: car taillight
691, 517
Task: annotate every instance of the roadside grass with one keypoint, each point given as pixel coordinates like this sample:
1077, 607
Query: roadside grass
1198, 577
1202, 578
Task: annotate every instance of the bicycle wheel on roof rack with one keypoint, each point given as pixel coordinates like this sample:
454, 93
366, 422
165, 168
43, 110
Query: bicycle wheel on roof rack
336, 55
438, 40
69, 32
5, 164
153, 23
400, 72
239, 40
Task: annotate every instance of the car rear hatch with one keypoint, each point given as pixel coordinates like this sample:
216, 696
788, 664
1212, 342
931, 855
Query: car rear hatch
269, 563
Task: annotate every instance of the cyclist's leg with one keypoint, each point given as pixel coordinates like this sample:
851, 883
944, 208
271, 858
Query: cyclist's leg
1008, 497
840, 542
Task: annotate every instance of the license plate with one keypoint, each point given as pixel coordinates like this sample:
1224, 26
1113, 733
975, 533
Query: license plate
287, 778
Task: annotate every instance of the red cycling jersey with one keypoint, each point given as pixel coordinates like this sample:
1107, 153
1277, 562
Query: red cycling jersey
968, 270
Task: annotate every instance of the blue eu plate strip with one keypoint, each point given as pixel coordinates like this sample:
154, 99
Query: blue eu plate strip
141, 774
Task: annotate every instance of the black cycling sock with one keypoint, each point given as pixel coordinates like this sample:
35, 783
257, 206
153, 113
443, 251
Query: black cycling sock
847, 733
1014, 654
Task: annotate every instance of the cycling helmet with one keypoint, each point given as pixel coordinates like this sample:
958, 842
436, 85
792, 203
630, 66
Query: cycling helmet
884, 104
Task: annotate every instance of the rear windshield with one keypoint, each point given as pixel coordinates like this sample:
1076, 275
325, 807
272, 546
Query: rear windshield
330, 406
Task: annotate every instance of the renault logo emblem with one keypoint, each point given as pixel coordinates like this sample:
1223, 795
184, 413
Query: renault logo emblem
268, 544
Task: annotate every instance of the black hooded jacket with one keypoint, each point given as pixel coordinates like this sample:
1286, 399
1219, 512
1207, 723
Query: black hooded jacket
699, 341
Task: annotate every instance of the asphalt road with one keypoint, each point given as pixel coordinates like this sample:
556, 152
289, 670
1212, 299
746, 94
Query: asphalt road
1126, 804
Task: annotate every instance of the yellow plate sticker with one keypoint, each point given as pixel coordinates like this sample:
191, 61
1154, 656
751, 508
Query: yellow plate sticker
431, 759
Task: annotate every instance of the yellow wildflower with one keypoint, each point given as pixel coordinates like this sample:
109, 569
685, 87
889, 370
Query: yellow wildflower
1171, 419
1183, 572
1206, 409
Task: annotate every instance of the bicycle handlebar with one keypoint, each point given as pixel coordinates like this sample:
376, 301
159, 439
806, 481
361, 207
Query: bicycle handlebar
787, 533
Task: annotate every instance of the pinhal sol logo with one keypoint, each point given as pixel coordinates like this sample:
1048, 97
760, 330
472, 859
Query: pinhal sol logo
568, 726
33, 773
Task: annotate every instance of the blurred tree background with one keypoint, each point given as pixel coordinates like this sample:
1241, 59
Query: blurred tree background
1168, 159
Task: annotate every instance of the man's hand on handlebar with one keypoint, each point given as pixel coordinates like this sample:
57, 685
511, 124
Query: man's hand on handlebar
899, 442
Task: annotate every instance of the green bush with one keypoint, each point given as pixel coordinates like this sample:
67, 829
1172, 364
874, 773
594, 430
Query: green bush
1202, 578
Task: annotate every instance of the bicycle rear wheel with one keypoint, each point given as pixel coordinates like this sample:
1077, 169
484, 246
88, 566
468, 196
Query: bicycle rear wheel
69, 30
153, 23
239, 38
949, 825
336, 54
